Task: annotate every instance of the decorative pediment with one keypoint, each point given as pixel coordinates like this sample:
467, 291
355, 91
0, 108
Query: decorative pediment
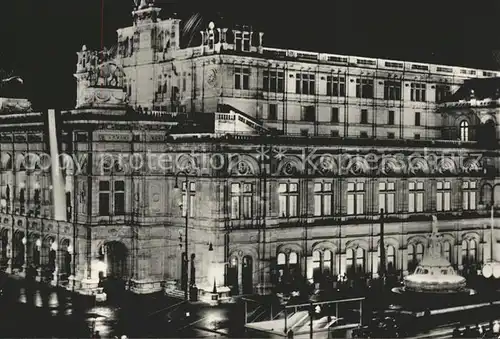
244, 166
392, 166
326, 165
187, 164
11, 105
471, 165
358, 166
290, 166
101, 97
447, 166
419, 166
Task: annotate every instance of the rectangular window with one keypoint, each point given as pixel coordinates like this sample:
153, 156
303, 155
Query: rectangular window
417, 119
323, 195
390, 135
104, 198
335, 86
392, 90
119, 195
241, 201
364, 88
386, 195
308, 113
364, 116
334, 115
390, 118
442, 93
443, 196
191, 193
363, 135
335, 133
355, 198
469, 194
288, 200
274, 81
241, 78
418, 92
416, 136
246, 41
305, 84
272, 112
416, 197
242, 41
304, 132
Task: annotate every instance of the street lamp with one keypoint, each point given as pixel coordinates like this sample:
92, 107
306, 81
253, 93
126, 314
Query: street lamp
186, 216
492, 224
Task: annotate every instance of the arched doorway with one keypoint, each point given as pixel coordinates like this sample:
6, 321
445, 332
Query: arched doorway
65, 259
18, 250
232, 276
247, 275
114, 254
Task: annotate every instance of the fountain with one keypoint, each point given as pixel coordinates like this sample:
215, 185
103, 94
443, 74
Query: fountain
434, 274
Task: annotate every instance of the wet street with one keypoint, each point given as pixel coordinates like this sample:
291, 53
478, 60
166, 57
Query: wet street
38, 311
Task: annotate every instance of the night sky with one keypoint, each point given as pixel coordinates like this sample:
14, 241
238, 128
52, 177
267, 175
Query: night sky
39, 38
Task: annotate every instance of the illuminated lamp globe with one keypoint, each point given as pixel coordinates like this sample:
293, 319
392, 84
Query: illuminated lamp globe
487, 271
24, 240
3, 203
70, 249
37, 185
38, 243
211, 25
53, 246
22, 185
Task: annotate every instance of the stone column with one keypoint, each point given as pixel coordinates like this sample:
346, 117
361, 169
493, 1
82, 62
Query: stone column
457, 250
404, 261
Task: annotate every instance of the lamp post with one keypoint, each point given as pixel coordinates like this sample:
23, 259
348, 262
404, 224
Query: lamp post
186, 216
492, 213
24, 241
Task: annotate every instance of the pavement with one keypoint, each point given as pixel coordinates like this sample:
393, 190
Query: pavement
36, 310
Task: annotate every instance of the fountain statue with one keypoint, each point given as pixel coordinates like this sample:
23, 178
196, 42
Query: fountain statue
434, 274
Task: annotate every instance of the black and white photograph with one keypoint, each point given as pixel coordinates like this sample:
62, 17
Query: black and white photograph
249, 169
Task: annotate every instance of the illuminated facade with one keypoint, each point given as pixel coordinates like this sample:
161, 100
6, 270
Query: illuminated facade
284, 182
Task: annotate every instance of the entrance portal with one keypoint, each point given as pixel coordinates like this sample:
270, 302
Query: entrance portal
114, 257
247, 275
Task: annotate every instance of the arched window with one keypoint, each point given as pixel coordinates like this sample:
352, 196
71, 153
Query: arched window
447, 250
288, 267
349, 261
360, 260
327, 262
355, 261
390, 258
420, 252
415, 253
464, 252
464, 130
472, 251
469, 252
322, 264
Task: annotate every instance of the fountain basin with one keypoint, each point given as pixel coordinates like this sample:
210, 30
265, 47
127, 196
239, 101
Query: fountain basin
435, 275
434, 284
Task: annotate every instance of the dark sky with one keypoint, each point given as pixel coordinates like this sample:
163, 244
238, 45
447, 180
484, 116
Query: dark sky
39, 38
